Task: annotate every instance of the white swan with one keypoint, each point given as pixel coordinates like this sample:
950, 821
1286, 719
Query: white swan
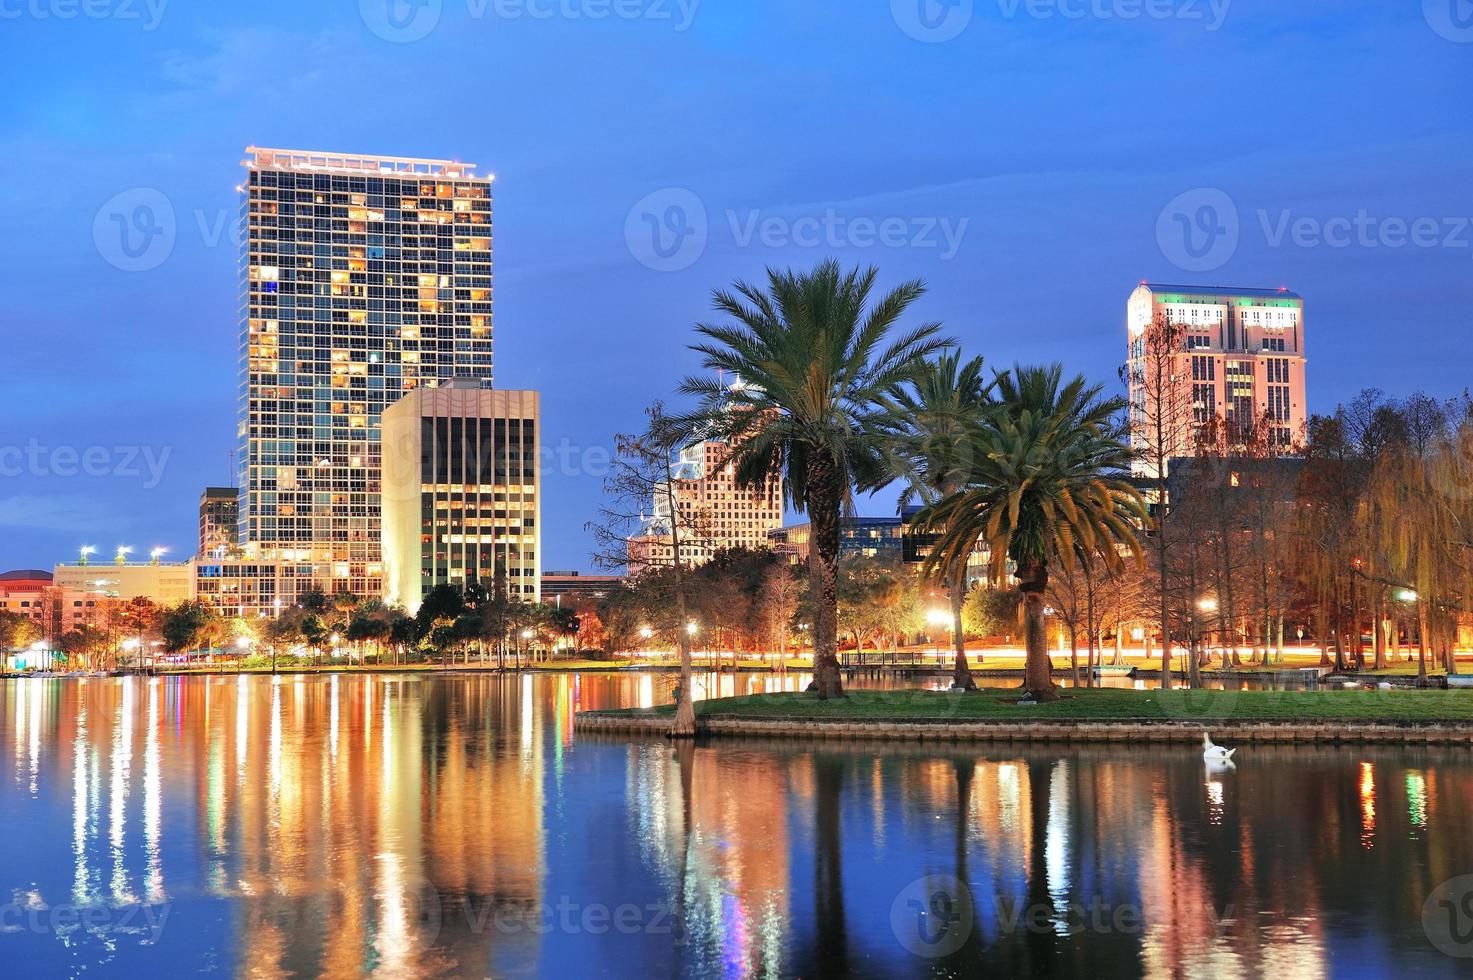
1215, 753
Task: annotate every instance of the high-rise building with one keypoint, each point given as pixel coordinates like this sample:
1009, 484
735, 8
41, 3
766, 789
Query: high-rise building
716, 513
219, 516
1240, 363
461, 499
361, 278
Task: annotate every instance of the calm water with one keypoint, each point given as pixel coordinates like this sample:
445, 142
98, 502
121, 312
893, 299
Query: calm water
454, 826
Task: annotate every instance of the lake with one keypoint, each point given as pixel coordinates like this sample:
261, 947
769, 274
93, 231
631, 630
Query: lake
417, 825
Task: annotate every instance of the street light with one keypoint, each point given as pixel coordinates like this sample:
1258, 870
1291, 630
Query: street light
1406, 595
1207, 605
157, 553
87, 550
124, 550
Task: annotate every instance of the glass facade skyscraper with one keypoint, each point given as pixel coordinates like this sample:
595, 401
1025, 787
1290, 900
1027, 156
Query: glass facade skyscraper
361, 278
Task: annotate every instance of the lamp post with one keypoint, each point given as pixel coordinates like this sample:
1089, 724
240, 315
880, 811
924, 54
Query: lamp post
87, 550
938, 618
1207, 605
276, 604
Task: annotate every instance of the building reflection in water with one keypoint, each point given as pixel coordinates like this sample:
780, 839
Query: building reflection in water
417, 825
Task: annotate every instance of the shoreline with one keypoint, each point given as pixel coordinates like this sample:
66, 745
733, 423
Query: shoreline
1235, 731
1083, 714
1297, 675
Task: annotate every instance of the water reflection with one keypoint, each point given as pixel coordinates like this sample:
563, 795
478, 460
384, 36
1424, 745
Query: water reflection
418, 825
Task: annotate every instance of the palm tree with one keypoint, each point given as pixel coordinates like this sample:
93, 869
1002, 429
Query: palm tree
935, 415
1047, 485
812, 360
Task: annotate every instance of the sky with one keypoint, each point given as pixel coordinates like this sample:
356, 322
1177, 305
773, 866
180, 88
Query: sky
1031, 160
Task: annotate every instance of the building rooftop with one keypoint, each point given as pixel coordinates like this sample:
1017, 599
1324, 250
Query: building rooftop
25, 575
363, 165
1253, 292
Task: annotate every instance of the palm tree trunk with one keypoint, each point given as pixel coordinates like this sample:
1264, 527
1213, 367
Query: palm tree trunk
825, 498
1038, 678
961, 677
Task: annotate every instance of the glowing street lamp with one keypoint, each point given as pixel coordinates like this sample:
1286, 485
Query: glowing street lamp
1207, 605
155, 554
1406, 595
124, 550
87, 550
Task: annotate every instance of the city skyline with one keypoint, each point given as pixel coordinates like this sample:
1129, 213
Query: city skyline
1014, 283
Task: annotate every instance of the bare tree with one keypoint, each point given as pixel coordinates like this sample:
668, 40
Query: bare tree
642, 477
1160, 430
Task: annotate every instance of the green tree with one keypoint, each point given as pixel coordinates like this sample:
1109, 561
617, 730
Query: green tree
814, 358
1048, 483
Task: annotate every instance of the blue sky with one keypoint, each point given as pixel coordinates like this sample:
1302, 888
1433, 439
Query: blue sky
1027, 159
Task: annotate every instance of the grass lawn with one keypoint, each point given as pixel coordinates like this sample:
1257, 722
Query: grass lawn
1101, 704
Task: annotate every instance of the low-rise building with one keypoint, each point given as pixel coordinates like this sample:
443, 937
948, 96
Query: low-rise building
165, 584
462, 491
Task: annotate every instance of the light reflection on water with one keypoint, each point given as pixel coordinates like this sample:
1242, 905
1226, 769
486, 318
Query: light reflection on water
416, 825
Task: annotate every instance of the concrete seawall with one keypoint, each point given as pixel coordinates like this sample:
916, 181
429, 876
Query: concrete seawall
1226, 730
